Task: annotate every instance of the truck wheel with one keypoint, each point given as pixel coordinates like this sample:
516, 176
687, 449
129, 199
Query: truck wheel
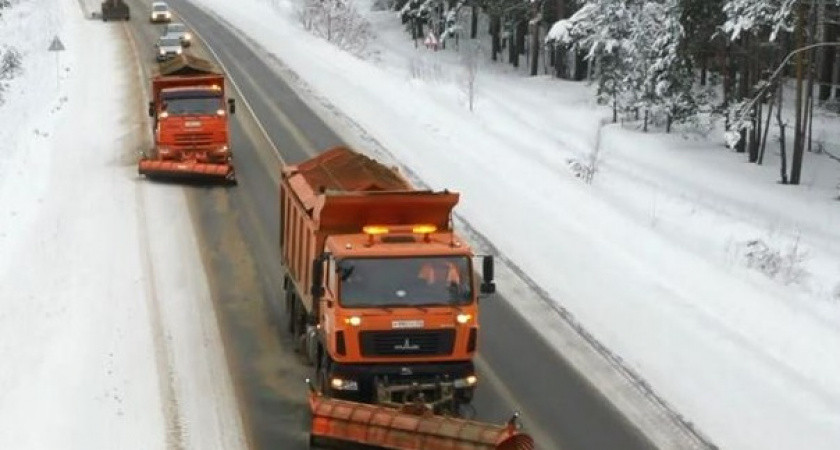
309, 345
322, 375
290, 314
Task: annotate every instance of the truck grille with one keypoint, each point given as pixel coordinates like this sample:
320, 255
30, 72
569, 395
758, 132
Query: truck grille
407, 343
194, 139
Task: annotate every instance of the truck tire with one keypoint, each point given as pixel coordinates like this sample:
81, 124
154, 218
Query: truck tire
291, 313
309, 345
322, 371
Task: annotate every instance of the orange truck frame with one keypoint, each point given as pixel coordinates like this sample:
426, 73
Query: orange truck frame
190, 110
380, 291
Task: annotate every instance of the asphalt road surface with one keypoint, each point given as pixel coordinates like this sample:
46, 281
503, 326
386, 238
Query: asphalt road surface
238, 229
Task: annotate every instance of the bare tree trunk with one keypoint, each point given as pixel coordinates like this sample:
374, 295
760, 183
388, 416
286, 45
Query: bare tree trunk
798, 147
760, 160
535, 46
474, 21
743, 88
755, 132
727, 80
513, 55
495, 41
812, 57
782, 138
517, 47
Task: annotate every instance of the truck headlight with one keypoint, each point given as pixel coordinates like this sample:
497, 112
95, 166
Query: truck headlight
463, 318
340, 384
354, 321
469, 381
187, 36
178, 51
162, 52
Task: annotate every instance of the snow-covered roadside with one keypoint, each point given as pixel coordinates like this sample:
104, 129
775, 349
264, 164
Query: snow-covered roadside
78, 356
107, 333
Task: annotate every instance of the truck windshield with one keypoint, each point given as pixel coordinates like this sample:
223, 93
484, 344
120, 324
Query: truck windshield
193, 104
422, 281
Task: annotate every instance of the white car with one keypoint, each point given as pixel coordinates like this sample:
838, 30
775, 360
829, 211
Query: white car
160, 13
168, 47
180, 30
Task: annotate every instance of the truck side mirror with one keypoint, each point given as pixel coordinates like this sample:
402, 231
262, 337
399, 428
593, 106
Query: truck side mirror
151, 109
487, 284
317, 290
232, 105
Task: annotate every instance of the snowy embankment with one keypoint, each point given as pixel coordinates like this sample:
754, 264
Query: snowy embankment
107, 333
649, 259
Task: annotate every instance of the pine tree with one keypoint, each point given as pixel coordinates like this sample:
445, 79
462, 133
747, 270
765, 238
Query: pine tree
640, 65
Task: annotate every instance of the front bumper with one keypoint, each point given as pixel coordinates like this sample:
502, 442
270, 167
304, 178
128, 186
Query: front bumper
157, 18
400, 379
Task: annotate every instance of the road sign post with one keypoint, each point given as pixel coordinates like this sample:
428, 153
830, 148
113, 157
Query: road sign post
57, 47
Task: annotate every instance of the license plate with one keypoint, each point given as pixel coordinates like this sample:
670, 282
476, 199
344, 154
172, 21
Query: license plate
193, 123
407, 323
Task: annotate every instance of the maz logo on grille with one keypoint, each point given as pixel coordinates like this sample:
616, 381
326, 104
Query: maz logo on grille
407, 346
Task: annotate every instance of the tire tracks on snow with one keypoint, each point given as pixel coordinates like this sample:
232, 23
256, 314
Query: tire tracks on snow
175, 431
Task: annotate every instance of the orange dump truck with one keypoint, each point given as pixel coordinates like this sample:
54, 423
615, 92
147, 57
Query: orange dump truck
190, 111
382, 296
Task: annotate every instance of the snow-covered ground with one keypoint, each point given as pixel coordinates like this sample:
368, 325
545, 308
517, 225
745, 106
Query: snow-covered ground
107, 333
652, 258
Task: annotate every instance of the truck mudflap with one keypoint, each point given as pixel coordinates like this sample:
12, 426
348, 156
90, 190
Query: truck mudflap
410, 427
193, 171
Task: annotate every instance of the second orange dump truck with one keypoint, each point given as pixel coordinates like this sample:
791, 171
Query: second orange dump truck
382, 296
190, 110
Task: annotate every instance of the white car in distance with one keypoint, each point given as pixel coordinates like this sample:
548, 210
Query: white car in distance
180, 30
160, 13
168, 47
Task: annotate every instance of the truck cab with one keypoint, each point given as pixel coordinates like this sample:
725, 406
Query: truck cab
190, 112
398, 314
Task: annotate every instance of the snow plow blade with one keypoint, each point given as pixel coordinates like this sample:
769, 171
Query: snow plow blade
340, 422
188, 171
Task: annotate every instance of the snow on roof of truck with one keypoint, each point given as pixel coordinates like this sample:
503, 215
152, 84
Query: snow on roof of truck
342, 169
186, 64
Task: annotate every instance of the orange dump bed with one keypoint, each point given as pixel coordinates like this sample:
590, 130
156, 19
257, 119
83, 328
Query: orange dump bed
186, 71
342, 190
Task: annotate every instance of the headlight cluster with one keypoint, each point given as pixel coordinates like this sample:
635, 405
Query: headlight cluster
340, 384
469, 381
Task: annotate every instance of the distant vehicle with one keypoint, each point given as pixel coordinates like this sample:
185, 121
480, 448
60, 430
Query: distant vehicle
160, 13
115, 10
168, 47
180, 30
